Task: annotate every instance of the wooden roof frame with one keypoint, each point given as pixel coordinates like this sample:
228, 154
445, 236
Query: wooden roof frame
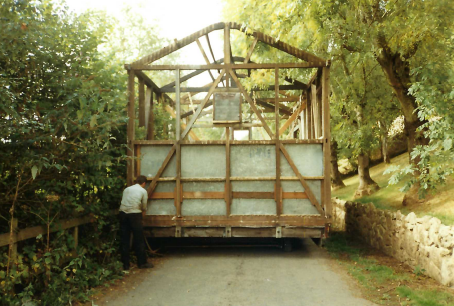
314, 102
178, 44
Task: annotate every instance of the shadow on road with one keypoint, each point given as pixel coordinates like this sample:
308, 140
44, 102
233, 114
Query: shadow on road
225, 246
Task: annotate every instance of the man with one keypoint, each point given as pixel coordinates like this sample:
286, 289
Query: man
133, 205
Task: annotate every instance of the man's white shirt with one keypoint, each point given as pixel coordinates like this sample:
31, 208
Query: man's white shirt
134, 198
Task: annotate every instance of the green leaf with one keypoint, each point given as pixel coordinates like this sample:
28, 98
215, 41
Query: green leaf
34, 171
80, 114
447, 144
39, 236
93, 121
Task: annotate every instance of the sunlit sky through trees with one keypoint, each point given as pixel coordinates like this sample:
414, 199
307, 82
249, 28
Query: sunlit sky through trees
176, 18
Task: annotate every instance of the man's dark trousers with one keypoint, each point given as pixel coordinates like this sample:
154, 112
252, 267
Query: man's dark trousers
132, 223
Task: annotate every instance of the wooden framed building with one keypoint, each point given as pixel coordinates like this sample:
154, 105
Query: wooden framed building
267, 185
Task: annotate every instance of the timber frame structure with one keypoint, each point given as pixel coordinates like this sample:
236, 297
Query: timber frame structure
172, 163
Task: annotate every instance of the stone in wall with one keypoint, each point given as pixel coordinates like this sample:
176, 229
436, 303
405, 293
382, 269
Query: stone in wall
424, 242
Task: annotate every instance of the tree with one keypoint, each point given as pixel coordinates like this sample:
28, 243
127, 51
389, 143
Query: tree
398, 34
336, 178
360, 94
62, 145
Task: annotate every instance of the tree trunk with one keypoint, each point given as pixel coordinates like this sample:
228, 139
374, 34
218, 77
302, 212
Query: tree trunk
397, 72
384, 147
336, 179
367, 185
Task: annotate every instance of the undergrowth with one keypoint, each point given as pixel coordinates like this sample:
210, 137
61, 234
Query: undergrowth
389, 197
58, 272
382, 283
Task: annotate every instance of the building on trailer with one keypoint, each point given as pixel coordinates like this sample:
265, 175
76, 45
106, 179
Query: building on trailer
265, 185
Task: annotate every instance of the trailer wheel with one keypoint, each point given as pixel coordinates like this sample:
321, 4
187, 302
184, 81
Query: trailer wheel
288, 245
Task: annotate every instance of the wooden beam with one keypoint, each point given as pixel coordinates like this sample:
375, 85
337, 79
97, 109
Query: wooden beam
202, 105
236, 221
227, 54
232, 142
301, 54
211, 50
226, 89
130, 128
292, 118
154, 182
177, 105
296, 82
326, 144
237, 126
251, 49
314, 111
227, 66
207, 61
278, 189
196, 73
178, 146
141, 103
137, 161
307, 190
309, 116
212, 54
288, 99
224, 195
32, 232
228, 186
150, 126
174, 115
282, 109
251, 103
188, 113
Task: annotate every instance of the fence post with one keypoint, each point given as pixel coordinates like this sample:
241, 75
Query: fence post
76, 237
13, 243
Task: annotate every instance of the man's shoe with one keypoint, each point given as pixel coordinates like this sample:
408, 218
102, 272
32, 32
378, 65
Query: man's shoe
147, 265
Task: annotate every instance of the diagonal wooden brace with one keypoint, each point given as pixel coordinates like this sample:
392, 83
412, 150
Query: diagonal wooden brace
202, 105
308, 191
154, 182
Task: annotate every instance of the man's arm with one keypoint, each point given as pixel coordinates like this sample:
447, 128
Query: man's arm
144, 202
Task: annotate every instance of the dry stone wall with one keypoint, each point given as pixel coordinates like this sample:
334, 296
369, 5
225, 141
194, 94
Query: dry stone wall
419, 242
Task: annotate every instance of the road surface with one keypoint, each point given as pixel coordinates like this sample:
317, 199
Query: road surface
237, 276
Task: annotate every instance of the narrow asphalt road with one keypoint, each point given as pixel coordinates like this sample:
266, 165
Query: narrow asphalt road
237, 276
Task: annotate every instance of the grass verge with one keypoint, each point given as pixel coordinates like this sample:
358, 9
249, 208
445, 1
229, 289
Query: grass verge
385, 280
389, 197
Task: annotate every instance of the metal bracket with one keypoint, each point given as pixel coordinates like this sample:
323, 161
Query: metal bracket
228, 232
178, 231
278, 231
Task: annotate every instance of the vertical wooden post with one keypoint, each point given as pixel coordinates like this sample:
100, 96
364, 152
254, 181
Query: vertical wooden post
227, 50
178, 196
308, 116
150, 125
141, 102
278, 146
165, 130
137, 160
326, 144
303, 124
130, 128
76, 237
314, 110
13, 245
227, 188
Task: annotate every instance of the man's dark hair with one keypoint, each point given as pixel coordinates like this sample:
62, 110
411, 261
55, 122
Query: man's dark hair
141, 179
